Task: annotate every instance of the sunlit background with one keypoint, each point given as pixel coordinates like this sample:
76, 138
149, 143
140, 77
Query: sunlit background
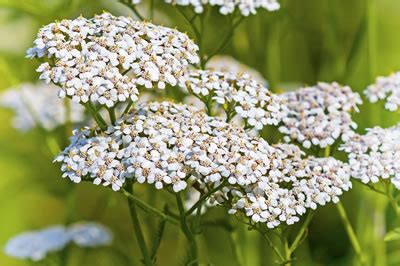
349, 41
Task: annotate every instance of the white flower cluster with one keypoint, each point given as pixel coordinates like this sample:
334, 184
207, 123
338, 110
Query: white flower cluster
246, 7
36, 105
174, 145
105, 58
237, 94
319, 115
226, 63
375, 155
35, 245
292, 186
385, 88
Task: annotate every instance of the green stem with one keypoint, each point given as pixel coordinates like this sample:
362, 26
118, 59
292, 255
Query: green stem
209, 105
138, 230
52, 144
286, 250
191, 23
273, 246
157, 239
204, 197
133, 8
392, 200
68, 119
151, 9
301, 233
227, 38
187, 231
128, 107
96, 116
350, 232
111, 113
147, 208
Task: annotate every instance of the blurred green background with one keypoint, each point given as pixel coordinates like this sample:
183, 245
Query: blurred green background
349, 41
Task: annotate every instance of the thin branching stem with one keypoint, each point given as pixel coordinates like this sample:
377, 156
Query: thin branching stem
133, 8
191, 22
187, 231
391, 199
96, 116
351, 234
301, 233
226, 40
272, 245
347, 225
138, 230
203, 198
150, 209
111, 113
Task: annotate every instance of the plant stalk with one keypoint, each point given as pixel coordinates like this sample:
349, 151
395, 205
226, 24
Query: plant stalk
350, 232
138, 230
187, 231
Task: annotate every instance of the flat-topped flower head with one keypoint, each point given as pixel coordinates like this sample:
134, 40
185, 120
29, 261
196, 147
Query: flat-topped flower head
160, 144
105, 58
387, 88
246, 7
228, 64
237, 94
36, 245
293, 186
375, 155
173, 145
319, 115
36, 105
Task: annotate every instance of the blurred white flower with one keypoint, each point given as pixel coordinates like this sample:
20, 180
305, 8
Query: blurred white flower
375, 155
246, 7
228, 64
36, 105
35, 245
174, 145
238, 94
89, 234
105, 58
385, 88
319, 115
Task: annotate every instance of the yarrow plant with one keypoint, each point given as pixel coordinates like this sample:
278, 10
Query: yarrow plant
211, 155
